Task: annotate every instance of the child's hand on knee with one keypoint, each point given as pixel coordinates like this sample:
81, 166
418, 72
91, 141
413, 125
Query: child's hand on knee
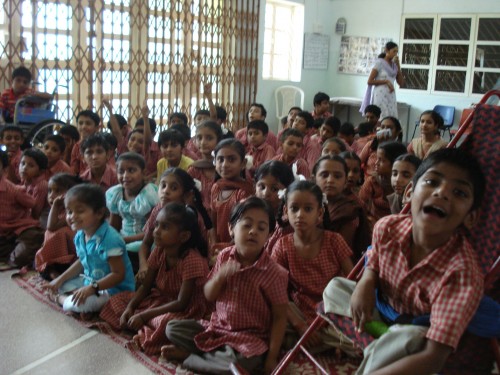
126, 316
136, 322
53, 286
81, 295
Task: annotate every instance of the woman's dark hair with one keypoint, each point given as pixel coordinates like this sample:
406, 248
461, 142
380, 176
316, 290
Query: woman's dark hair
38, 156
188, 185
58, 140
392, 150
332, 158
388, 47
409, 158
235, 145
312, 188
248, 204
91, 195
133, 157
436, 117
213, 126
397, 124
66, 180
279, 170
353, 156
187, 220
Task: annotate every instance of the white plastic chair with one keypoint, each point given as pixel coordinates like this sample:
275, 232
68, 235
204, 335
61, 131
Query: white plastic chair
287, 97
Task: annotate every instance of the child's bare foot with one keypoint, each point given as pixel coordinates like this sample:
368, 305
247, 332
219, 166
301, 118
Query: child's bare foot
137, 342
172, 352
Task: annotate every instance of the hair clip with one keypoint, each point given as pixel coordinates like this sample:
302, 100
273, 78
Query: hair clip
296, 175
249, 159
325, 199
281, 193
197, 184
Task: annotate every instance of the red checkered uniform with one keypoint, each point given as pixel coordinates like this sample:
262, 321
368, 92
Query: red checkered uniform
108, 178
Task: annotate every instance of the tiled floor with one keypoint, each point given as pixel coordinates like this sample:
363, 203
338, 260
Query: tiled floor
36, 340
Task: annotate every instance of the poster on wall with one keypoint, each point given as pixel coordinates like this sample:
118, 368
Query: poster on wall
358, 53
316, 51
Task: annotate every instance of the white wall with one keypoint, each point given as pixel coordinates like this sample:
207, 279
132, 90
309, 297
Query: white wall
380, 18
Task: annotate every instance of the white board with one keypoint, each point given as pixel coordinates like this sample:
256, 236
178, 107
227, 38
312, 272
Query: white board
316, 51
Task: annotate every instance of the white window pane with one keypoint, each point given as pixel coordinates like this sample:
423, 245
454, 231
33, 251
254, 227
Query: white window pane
158, 27
158, 83
116, 22
54, 16
50, 78
115, 50
64, 110
53, 47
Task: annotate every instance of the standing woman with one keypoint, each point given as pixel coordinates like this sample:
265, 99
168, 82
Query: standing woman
381, 81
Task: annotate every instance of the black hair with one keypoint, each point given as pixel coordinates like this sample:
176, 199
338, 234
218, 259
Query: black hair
221, 113
91, 195
184, 130
409, 158
4, 158
290, 132
351, 155
187, 220
58, 140
140, 131
332, 158
338, 141
122, 121
436, 117
213, 126
375, 109
284, 120
294, 109
392, 150
94, 140
317, 123
279, 170
334, 123
258, 105
258, 125
307, 117
388, 47
152, 124
11, 128
459, 159
304, 186
347, 129
22, 71
188, 185
66, 180
172, 136
133, 157
235, 145
38, 156
204, 112
320, 97
111, 139
92, 115
70, 131
181, 116
252, 203
364, 129
397, 124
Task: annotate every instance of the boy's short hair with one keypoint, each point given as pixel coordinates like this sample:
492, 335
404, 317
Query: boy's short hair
22, 71
92, 115
4, 158
392, 150
364, 129
372, 108
258, 105
204, 112
290, 132
58, 140
221, 113
94, 140
294, 109
11, 128
172, 136
180, 116
152, 124
320, 97
184, 130
459, 159
111, 139
347, 129
317, 123
70, 131
258, 125
38, 156
122, 121
140, 131
308, 117
334, 123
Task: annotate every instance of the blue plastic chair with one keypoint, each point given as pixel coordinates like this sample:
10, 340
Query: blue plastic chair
448, 115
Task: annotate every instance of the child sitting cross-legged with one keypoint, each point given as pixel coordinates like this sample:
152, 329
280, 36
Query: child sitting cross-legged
95, 150
249, 291
54, 148
421, 263
173, 286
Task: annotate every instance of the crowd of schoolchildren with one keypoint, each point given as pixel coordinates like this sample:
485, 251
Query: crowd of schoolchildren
216, 248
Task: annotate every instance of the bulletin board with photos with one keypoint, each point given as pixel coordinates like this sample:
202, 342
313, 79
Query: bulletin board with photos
358, 53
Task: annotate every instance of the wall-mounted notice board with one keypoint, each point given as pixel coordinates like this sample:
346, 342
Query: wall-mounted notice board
358, 53
316, 51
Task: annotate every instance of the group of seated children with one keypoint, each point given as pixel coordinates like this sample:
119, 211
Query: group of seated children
216, 258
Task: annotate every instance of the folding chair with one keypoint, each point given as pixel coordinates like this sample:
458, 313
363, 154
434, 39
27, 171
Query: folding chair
483, 142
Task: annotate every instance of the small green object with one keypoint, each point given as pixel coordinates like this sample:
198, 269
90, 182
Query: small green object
376, 328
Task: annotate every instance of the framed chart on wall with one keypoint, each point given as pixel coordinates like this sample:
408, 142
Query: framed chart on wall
316, 51
358, 53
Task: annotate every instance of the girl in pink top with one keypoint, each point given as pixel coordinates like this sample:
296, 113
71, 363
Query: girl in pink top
430, 140
173, 286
